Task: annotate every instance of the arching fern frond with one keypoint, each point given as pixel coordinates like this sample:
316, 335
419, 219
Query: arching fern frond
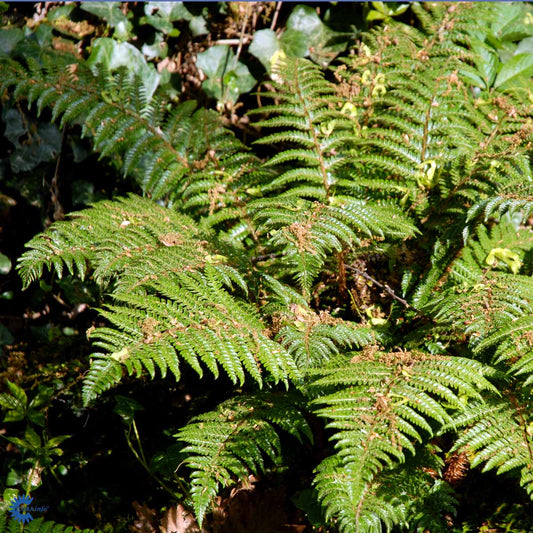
305, 209
175, 155
378, 406
189, 316
172, 290
233, 441
116, 239
498, 435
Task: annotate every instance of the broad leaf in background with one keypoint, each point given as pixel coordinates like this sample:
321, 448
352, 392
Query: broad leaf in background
264, 45
5, 264
322, 43
162, 15
227, 78
114, 55
386, 11
504, 51
267, 46
306, 36
41, 141
517, 71
512, 23
9, 38
112, 14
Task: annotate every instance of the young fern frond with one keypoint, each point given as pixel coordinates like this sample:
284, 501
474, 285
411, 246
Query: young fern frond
233, 441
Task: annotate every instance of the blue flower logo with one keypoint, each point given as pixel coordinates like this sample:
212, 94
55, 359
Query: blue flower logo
17, 509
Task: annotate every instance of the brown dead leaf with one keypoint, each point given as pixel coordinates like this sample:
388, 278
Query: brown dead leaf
178, 520
147, 519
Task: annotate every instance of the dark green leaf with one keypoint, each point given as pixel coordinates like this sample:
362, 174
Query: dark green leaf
126, 408
264, 45
517, 69
5, 264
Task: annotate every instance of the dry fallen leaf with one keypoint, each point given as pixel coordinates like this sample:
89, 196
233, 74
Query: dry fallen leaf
147, 521
178, 520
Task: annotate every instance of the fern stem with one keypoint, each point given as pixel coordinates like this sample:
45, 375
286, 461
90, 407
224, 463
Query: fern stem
385, 287
139, 455
316, 142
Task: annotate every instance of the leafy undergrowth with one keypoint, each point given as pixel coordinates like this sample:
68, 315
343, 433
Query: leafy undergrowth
305, 275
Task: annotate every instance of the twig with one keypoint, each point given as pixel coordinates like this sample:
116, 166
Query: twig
241, 38
275, 17
259, 258
233, 42
385, 287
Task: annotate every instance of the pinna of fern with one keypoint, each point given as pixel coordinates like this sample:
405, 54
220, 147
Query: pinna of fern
497, 434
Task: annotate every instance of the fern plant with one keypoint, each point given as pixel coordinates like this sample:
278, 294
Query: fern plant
39, 525
371, 273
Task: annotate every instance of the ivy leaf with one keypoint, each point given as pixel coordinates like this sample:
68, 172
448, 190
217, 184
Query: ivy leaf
294, 43
515, 70
264, 45
5, 264
162, 15
114, 55
42, 144
111, 13
322, 43
227, 79
9, 38
126, 408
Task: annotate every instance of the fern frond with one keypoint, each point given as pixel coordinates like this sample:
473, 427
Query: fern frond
514, 198
166, 152
314, 338
172, 294
378, 405
486, 278
498, 435
189, 316
233, 441
112, 236
305, 209
38, 525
